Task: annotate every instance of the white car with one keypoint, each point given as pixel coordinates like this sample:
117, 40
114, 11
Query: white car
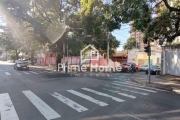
21, 65
144, 68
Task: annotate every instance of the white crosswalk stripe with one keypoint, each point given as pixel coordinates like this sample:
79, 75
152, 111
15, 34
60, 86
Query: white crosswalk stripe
7, 73
127, 83
34, 72
132, 83
45, 110
103, 94
130, 96
87, 98
69, 102
26, 72
135, 88
7, 110
123, 94
137, 92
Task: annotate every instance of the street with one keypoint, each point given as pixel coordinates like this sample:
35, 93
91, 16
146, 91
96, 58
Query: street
39, 94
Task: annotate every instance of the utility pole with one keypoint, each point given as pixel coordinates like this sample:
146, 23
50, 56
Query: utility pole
67, 50
108, 50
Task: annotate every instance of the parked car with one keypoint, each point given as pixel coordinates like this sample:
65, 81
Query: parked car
154, 69
125, 66
143, 68
21, 65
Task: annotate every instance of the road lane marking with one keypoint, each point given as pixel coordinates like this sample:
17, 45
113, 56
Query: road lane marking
137, 92
7, 110
88, 98
26, 72
7, 73
34, 72
69, 102
45, 110
135, 88
103, 94
123, 94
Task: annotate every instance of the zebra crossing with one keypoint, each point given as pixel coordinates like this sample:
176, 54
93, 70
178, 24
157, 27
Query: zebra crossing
26, 73
122, 91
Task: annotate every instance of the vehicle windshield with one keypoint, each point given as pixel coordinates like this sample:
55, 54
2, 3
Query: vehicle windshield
21, 62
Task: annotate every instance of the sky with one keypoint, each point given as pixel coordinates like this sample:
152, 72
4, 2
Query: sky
122, 35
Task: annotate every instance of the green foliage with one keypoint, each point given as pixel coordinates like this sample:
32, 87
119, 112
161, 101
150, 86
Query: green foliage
40, 25
12, 55
130, 44
96, 21
142, 13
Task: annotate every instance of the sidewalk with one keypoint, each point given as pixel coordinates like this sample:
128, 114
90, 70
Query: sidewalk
164, 82
51, 67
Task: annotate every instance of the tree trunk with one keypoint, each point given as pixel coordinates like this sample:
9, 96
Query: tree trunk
58, 60
32, 57
17, 55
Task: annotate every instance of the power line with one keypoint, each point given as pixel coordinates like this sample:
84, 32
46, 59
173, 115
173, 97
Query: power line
121, 35
124, 28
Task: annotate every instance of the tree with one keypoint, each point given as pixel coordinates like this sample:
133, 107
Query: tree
130, 44
94, 16
47, 18
148, 18
12, 40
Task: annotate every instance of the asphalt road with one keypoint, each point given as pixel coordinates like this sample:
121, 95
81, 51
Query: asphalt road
39, 95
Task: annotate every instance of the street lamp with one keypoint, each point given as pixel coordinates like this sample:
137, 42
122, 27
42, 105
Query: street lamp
66, 41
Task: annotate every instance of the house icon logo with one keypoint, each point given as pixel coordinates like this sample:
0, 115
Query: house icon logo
89, 53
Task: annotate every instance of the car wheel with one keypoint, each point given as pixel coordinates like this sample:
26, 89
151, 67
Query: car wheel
27, 68
156, 73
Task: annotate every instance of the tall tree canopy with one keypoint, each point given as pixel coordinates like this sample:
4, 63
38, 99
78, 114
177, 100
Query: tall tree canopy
49, 21
148, 17
130, 44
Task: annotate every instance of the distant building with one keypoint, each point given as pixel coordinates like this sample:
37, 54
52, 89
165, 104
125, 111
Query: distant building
120, 56
141, 58
138, 36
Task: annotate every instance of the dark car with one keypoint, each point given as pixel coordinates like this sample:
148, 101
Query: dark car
21, 65
154, 70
